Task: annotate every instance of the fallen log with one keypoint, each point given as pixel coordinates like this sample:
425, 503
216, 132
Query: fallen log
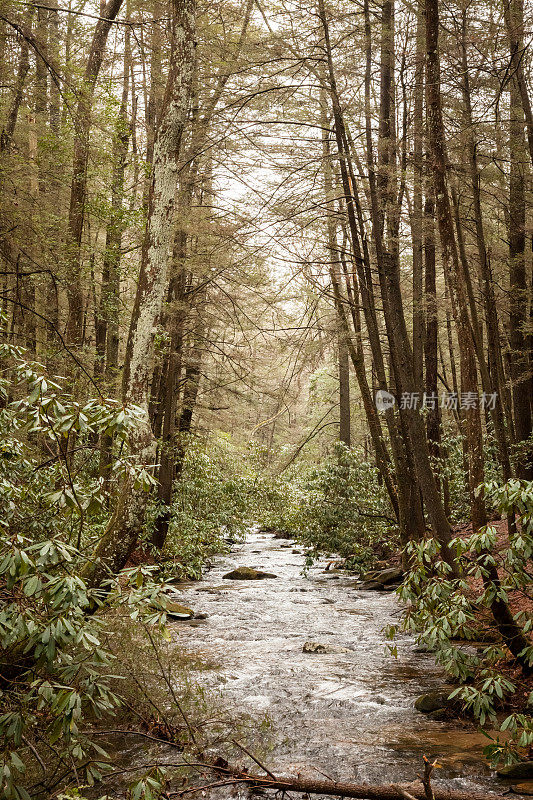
333, 788
229, 774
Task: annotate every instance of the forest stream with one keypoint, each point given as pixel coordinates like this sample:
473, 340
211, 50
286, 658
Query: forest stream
347, 715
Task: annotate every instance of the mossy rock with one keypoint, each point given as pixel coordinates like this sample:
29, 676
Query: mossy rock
384, 576
439, 715
432, 701
248, 574
381, 579
523, 769
177, 611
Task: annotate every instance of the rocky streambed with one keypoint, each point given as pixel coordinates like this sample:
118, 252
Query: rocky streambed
308, 653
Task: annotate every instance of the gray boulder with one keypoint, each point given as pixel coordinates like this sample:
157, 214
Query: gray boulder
382, 579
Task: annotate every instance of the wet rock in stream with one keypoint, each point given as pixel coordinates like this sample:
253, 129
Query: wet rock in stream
439, 715
433, 701
371, 586
523, 788
247, 574
382, 580
523, 769
323, 649
178, 611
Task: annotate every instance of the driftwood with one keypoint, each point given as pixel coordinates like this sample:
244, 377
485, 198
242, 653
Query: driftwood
232, 775
334, 789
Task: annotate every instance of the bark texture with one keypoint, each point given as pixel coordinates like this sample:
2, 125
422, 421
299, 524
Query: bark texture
126, 524
78, 189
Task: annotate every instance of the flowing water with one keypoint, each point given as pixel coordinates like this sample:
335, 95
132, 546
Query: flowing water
348, 715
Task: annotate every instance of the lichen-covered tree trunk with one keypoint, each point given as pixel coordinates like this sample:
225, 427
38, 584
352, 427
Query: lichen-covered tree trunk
126, 524
108, 315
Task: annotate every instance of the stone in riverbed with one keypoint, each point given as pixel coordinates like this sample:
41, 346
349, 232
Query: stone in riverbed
276, 532
371, 586
432, 701
247, 574
523, 769
439, 715
384, 576
283, 535
324, 649
523, 788
177, 611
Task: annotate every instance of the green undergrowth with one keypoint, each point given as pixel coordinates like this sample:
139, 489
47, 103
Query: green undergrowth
446, 613
336, 508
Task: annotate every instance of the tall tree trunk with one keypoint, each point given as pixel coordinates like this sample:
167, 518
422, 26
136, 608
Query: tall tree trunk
154, 97
169, 393
514, 22
343, 364
126, 524
356, 354
491, 314
78, 189
8, 249
37, 134
108, 317
23, 67
510, 630
417, 223
173, 460
520, 363
336, 264
401, 351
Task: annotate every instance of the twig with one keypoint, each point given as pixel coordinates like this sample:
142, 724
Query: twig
243, 748
426, 779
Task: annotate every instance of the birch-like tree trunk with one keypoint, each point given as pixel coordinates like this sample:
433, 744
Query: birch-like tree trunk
126, 524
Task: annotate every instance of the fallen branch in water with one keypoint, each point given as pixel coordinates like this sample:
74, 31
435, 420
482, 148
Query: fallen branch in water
333, 788
229, 775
